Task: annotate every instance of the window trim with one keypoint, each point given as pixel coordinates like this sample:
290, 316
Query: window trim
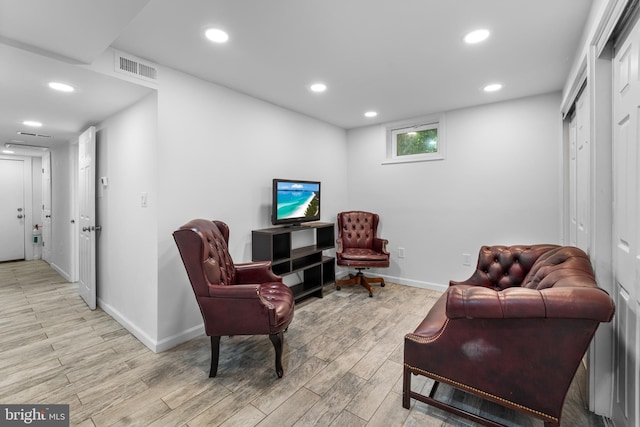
423, 123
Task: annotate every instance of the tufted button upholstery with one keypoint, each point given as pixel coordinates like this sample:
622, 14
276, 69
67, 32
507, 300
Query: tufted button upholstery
501, 267
359, 247
514, 332
358, 244
234, 299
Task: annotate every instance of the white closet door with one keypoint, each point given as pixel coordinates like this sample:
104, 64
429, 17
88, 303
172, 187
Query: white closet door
626, 229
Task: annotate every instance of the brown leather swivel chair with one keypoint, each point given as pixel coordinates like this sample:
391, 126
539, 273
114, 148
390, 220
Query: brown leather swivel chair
240, 299
360, 248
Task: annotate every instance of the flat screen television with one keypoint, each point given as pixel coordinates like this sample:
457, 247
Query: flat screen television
295, 201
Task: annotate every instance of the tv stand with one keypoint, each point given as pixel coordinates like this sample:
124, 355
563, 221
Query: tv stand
274, 244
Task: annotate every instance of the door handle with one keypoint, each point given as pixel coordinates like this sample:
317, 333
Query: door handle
19, 216
86, 228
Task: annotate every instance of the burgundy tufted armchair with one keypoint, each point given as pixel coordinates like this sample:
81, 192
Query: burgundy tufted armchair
360, 248
240, 299
513, 333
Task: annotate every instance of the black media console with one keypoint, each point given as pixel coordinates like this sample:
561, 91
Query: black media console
274, 244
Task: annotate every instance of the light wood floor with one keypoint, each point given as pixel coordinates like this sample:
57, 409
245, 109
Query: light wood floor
343, 364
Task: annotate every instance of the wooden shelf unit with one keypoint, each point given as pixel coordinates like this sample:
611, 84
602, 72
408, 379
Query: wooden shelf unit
275, 244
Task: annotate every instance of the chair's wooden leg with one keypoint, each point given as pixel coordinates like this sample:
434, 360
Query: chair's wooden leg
215, 353
278, 343
406, 388
352, 280
367, 287
364, 282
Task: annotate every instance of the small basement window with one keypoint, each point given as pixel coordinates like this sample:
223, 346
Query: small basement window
424, 141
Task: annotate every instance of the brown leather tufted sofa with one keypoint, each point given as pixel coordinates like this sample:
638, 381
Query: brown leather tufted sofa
234, 299
513, 333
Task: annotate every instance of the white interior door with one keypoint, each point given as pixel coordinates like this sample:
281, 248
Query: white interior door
626, 229
46, 207
579, 174
583, 172
86, 216
573, 184
12, 210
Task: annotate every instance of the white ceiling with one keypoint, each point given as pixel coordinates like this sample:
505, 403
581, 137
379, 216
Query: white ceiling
401, 58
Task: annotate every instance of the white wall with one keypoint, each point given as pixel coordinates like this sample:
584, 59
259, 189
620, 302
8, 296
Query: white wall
126, 151
218, 152
35, 251
61, 210
499, 184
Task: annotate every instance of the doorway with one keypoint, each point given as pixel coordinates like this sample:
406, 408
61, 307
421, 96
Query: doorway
17, 187
12, 210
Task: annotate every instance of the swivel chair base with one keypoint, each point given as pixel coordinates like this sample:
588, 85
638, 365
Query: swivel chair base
360, 279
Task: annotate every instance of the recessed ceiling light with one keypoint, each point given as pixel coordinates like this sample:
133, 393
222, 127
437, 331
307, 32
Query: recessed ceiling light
370, 114
476, 36
318, 87
492, 87
32, 123
62, 87
216, 35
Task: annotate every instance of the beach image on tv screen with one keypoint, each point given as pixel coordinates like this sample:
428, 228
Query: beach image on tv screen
298, 199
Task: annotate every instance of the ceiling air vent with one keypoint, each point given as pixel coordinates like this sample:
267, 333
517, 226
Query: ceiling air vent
33, 134
135, 67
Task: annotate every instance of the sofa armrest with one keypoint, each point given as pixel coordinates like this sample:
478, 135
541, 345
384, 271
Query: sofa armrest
464, 301
256, 272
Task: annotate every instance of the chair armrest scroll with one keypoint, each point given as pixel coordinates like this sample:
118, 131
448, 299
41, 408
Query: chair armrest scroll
256, 272
380, 245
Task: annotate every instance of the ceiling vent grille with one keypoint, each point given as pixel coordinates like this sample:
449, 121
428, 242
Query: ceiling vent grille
33, 134
136, 67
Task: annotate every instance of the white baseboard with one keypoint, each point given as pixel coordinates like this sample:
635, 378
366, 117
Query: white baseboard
61, 272
401, 281
174, 340
142, 336
151, 343
415, 283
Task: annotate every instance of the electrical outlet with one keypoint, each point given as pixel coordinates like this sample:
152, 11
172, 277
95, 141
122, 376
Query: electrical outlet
144, 199
400, 252
466, 259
